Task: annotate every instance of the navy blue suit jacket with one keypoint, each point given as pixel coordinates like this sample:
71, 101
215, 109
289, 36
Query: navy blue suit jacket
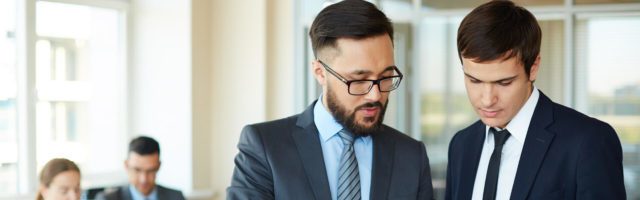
566, 155
282, 159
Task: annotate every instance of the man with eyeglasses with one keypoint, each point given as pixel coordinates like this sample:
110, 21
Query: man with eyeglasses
338, 147
142, 165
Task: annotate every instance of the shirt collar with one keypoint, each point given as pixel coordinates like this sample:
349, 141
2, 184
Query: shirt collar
136, 195
519, 125
326, 123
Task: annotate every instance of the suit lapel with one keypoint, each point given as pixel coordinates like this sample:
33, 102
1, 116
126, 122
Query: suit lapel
535, 147
470, 160
126, 193
383, 151
307, 142
160, 192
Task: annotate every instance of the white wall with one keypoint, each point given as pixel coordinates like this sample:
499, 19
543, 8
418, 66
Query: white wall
238, 75
202, 95
202, 70
280, 60
160, 77
252, 74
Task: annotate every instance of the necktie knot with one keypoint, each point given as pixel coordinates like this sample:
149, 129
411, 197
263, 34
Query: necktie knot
347, 137
500, 137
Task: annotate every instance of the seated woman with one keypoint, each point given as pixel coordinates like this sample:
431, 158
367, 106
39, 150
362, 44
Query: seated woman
59, 180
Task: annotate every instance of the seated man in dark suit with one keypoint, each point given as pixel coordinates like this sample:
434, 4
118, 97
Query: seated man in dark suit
338, 147
524, 146
142, 164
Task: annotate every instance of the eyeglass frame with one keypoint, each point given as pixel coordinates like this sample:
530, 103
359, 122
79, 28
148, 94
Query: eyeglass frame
374, 82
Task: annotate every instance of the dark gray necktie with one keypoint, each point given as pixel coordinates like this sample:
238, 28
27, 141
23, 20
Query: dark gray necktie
491, 181
348, 175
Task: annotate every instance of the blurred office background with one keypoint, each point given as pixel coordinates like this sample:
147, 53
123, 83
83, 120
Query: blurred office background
79, 78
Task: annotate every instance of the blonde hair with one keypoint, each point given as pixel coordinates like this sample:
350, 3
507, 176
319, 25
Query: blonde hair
52, 169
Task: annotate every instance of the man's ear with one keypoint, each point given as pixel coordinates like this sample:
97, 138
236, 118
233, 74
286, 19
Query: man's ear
533, 72
318, 72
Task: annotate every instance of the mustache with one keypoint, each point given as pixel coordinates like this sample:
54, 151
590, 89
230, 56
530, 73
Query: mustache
369, 105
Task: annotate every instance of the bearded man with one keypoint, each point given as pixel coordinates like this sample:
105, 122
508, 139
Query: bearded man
338, 147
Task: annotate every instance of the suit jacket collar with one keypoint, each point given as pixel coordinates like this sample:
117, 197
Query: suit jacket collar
125, 193
305, 119
308, 144
383, 151
162, 192
535, 147
471, 158
536, 144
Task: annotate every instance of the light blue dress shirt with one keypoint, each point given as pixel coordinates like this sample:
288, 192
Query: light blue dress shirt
136, 195
332, 148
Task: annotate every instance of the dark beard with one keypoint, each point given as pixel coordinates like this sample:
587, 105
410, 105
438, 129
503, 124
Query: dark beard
348, 121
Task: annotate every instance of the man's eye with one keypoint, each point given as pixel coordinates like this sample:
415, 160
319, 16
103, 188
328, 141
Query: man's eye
504, 83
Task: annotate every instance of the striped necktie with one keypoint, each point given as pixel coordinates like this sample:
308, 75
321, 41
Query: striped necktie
348, 175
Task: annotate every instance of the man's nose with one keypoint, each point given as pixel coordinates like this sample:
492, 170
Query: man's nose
143, 178
374, 94
488, 96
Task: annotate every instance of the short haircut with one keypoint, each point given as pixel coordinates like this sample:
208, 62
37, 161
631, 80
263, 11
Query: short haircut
500, 30
144, 145
355, 19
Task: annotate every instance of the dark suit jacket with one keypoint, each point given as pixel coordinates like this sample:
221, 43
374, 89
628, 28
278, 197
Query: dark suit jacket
123, 193
566, 155
283, 159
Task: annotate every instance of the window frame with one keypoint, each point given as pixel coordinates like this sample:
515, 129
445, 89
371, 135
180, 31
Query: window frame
27, 96
568, 12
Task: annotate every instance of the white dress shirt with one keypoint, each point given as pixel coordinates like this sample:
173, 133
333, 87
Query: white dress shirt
511, 151
136, 195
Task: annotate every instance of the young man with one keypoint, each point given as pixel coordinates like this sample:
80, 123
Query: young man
142, 165
338, 147
524, 146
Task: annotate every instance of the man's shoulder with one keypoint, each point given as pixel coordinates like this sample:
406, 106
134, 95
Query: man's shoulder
168, 192
466, 135
471, 129
268, 133
564, 114
398, 136
273, 126
112, 193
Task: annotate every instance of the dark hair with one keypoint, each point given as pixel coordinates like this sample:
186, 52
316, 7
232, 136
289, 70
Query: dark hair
349, 18
52, 169
144, 145
500, 29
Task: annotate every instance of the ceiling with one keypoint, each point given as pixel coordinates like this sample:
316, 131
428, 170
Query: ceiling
456, 4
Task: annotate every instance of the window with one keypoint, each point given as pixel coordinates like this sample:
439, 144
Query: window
79, 78
609, 69
8, 87
79, 74
444, 106
589, 62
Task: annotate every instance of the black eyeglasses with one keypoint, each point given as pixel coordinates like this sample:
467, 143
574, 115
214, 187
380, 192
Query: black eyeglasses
362, 87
